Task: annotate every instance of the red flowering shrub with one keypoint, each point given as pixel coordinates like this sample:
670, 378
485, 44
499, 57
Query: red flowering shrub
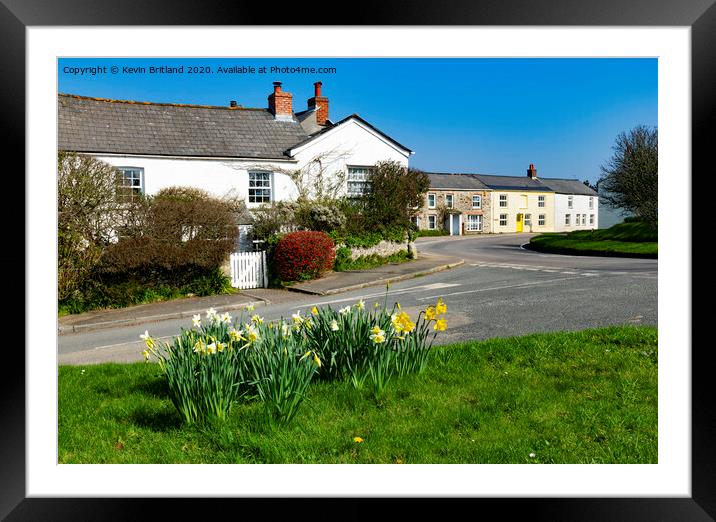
304, 255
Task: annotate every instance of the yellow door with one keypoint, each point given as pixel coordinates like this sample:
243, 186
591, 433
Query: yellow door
519, 222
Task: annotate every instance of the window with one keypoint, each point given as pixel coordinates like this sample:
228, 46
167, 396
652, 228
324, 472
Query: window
358, 181
541, 220
431, 222
540, 201
476, 201
416, 221
474, 222
131, 183
259, 187
503, 200
448, 200
591, 202
591, 219
528, 220
570, 201
567, 218
584, 219
431, 200
577, 222
503, 220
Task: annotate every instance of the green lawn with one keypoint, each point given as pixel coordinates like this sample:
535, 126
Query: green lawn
584, 397
633, 239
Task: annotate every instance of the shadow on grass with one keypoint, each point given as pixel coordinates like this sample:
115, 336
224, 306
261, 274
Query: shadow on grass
159, 421
155, 387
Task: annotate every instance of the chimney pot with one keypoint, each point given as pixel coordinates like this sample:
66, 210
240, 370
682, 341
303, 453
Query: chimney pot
320, 103
232, 103
276, 86
532, 172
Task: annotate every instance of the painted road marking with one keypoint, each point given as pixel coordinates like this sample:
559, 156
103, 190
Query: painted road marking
532, 283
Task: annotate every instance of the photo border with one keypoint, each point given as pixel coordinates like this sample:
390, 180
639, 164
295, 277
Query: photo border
700, 15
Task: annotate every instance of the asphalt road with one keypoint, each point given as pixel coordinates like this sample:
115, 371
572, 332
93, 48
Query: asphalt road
502, 290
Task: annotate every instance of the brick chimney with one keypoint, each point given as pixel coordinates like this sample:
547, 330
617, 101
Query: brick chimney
319, 102
281, 103
532, 172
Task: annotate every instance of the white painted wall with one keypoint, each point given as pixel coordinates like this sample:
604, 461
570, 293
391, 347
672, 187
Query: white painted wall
580, 205
216, 176
351, 144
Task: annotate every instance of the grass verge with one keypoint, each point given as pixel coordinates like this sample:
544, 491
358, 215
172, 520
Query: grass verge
633, 239
582, 397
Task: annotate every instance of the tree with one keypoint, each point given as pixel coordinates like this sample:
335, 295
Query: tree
395, 196
630, 178
86, 202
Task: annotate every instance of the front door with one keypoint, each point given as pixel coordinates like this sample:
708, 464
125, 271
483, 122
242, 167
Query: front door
519, 222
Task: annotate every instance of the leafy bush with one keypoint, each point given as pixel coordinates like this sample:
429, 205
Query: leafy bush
432, 233
304, 255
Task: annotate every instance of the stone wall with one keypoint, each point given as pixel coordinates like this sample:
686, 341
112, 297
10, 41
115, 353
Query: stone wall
462, 202
383, 249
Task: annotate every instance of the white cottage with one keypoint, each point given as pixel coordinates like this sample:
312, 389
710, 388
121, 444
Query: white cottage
262, 154
576, 206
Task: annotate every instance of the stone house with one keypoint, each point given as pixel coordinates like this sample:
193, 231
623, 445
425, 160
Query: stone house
458, 203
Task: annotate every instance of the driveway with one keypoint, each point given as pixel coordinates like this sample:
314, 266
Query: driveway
502, 290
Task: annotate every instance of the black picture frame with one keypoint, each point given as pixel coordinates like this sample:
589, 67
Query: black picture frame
17, 15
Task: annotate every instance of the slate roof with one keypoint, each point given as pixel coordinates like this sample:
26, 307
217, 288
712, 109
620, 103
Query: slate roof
455, 181
523, 183
569, 186
117, 126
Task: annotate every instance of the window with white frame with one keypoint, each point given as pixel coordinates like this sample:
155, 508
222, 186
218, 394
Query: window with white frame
567, 219
503, 200
570, 201
591, 219
476, 201
528, 220
591, 202
431, 200
540, 201
448, 200
131, 183
259, 187
541, 219
474, 222
432, 221
503, 220
576, 220
584, 219
358, 181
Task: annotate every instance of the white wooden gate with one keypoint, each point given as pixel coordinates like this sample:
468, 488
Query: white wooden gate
248, 270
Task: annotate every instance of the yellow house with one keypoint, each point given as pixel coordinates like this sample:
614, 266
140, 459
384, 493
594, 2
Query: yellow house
520, 204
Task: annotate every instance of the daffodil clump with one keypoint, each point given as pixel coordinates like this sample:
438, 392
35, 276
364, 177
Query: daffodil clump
211, 365
221, 359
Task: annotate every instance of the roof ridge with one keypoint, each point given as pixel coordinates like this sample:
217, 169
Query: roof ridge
162, 104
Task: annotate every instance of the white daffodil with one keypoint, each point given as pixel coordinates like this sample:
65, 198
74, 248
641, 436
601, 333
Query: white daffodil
147, 339
196, 320
249, 308
297, 317
211, 348
377, 335
360, 305
334, 325
257, 319
345, 310
285, 330
211, 315
226, 318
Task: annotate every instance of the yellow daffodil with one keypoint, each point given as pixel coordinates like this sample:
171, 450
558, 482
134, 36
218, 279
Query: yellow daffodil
376, 305
314, 310
316, 360
440, 307
397, 305
357, 440
145, 353
297, 317
430, 313
249, 308
377, 335
251, 333
402, 323
199, 346
257, 319
147, 339
440, 325
220, 347
235, 335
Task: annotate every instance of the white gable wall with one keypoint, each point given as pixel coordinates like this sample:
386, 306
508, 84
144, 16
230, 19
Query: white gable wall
580, 205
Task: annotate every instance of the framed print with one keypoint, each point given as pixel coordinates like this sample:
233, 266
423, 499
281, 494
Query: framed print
675, 43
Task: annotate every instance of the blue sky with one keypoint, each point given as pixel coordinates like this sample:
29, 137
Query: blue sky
486, 115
